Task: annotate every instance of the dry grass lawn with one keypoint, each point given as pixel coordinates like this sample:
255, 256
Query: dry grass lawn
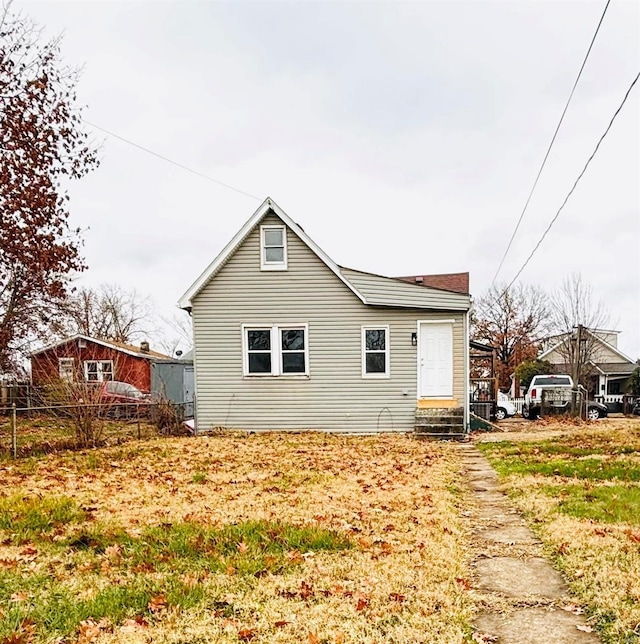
275, 538
579, 486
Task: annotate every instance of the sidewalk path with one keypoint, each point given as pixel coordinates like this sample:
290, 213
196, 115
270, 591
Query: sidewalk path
524, 599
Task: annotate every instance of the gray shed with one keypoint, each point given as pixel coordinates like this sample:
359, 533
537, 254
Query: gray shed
174, 380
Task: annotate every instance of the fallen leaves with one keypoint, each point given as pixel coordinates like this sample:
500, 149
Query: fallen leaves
89, 630
157, 603
298, 479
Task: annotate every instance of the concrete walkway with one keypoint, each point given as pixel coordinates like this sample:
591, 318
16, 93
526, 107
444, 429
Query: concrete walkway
524, 599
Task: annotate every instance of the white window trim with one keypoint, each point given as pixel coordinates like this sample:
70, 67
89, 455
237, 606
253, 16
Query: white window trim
276, 350
273, 266
387, 361
67, 373
99, 371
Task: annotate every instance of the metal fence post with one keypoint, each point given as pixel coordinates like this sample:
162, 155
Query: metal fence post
14, 431
138, 418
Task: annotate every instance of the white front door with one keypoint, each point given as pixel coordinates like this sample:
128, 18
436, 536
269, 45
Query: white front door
435, 360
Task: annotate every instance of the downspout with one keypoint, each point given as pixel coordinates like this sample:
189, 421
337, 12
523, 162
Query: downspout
466, 373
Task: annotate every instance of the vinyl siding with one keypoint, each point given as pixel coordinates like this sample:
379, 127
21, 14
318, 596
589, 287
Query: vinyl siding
334, 397
386, 291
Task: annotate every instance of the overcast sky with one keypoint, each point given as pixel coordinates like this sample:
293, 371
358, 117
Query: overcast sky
404, 137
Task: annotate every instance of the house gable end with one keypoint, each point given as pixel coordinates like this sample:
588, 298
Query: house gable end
266, 209
604, 353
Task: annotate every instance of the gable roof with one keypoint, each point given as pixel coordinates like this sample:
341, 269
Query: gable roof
129, 349
564, 337
371, 289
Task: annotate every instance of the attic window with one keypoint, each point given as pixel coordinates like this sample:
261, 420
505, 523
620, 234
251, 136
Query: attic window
273, 248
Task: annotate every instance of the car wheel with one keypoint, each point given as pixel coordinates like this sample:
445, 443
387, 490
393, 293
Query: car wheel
501, 413
593, 413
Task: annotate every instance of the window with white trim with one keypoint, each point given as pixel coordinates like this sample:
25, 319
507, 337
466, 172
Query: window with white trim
65, 369
275, 350
273, 248
375, 352
98, 370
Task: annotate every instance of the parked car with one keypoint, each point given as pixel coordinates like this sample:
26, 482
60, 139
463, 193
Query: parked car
558, 391
115, 391
504, 407
596, 410
122, 399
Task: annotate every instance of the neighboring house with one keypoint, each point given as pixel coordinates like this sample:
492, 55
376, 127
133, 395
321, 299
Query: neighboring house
284, 338
610, 369
81, 357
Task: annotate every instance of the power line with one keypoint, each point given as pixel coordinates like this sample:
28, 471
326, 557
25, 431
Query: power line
613, 118
179, 165
544, 161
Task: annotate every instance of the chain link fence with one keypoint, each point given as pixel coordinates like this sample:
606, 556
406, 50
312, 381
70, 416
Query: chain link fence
38, 428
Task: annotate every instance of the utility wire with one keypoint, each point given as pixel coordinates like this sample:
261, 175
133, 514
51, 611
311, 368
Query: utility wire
544, 161
179, 165
553, 221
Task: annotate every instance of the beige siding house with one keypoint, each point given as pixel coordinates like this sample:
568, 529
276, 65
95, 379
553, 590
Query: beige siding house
285, 339
609, 370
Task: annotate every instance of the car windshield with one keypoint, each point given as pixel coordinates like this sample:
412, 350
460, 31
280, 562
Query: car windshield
123, 389
554, 380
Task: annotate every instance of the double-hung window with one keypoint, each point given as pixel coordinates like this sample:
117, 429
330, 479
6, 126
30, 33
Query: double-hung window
98, 370
375, 352
273, 248
275, 350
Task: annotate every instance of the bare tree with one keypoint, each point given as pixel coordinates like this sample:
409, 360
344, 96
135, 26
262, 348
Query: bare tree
511, 320
576, 317
179, 334
109, 313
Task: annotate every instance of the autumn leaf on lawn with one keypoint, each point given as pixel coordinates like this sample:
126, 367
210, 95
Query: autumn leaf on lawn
313, 638
242, 547
17, 638
133, 625
465, 583
19, 596
295, 557
89, 631
633, 536
157, 603
270, 560
246, 634
113, 553
484, 638
281, 623
306, 590
363, 602
25, 636
189, 581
